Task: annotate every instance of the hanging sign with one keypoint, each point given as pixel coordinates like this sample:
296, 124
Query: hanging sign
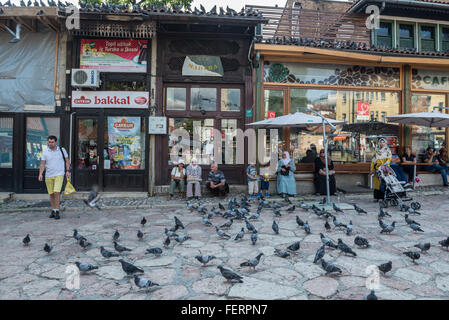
362, 110
110, 99
202, 66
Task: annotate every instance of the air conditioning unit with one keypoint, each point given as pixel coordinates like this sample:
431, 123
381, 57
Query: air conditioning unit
85, 78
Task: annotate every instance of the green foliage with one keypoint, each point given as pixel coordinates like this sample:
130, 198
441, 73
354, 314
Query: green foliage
147, 2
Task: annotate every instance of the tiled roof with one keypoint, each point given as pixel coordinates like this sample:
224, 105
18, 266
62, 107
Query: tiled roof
350, 46
395, 2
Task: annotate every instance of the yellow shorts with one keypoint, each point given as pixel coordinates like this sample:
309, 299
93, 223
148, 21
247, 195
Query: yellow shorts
54, 184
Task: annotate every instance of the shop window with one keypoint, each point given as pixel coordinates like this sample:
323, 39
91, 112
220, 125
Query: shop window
229, 134
176, 98
273, 103
38, 129
203, 99
124, 145
406, 36
444, 39
423, 137
384, 34
382, 96
87, 156
6, 137
201, 133
427, 38
230, 99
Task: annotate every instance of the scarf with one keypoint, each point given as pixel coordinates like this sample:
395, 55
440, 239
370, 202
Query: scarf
287, 158
191, 163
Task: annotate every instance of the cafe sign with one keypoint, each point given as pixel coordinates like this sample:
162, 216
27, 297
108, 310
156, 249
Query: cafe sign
202, 66
110, 99
430, 79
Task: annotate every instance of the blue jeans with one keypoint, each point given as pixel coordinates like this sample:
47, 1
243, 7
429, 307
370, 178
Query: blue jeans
439, 168
399, 172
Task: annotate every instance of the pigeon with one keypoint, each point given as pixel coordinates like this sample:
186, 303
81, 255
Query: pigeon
345, 248
327, 226
291, 209
338, 224
299, 222
337, 209
178, 223
155, 251
444, 243
206, 221
252, 262
275, 227
410, 221
328, 242
16, 34
414, 255
277, 213
329, 267
303, 206
387, 228
415, 227
48, 248
306, 227
254, 237
385, 267
221, 206
143, 283
85, 267
423, 246
76, 235
120, 248
182, 239
116, 235
349, 228
107, 254
282, 253
230, 275
240, 235
143, 221
221, 233
361, 242
371, 296
227, 225
130, 268
166, 242
26, 240
358, 209
170, 233
255, 216
413, 211
383, 213
93, 198
319, 254
295, 246
84, 243
204, 259
139, 235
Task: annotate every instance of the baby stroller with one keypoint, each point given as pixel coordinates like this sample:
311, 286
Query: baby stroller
395, 192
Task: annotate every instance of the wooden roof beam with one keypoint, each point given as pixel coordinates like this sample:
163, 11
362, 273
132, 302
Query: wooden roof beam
21, 21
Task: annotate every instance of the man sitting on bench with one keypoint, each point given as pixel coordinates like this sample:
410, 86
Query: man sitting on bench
216, 181
434, 165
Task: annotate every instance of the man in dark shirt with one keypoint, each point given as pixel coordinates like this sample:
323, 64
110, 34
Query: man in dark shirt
434, 165
216, 181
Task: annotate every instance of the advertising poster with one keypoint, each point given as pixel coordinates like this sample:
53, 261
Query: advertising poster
202, 66
114, 55
362, 111
124, 145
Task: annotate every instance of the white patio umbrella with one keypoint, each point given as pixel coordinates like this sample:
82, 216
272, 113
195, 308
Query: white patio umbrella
302, 120
426, 119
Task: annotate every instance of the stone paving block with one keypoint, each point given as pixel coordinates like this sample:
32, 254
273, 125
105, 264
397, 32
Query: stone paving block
412, 276
169, 293
323, 287
213, 286
442, 283
253, 288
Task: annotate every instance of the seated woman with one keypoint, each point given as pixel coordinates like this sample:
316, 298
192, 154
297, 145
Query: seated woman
286, 183
216, 181
320, 175
193, 179
408, 163
177, 179
381, 157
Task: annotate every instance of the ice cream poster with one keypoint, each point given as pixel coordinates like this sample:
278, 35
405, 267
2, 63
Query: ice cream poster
112, 55
124, 145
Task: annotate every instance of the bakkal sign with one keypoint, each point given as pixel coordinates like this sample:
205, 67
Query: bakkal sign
110, 99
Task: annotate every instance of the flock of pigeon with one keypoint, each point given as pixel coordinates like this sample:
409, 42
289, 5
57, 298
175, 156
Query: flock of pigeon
241, 211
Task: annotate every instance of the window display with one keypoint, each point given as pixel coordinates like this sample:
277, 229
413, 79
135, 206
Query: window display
6, 133
37, 131
87, 144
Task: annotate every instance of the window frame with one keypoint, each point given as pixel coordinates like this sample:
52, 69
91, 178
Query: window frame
440, 32
398, 33
435, 40
376, 36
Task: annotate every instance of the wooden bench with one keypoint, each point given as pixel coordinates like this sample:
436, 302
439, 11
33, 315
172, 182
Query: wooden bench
340, 168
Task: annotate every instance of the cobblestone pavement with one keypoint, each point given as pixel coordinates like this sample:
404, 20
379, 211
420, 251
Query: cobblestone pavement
29, 273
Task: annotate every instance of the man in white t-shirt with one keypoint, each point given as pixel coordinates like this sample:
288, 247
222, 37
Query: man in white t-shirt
52, 161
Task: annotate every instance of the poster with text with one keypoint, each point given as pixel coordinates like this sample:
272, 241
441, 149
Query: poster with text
109, 55
124, 143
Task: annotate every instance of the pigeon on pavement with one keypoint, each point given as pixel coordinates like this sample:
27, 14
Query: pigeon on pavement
371, 296
415, 227
383, 213
222, 234
294, 246
84, 243
444, 243
26, 240
275, 227
170, 233
227, 225
143, 283
361, 242
120, 248
139, 235
204, 259
85, 267
414, 255
206, 221
328, 242
299, 222
143, 221
410, 221
107, 254
116, 235
329, 267
182, 239
410, 210
254, 237
291, 209
230, 275
306, 227
166, 242
130, 268
423, 246
155, 251
387, 228
349, 228
319, 254
76, 235
327, 226
252, 262
240, 235
336, 208
179, 223
48, 248
385, 267
345, 248
282, 253
358, 209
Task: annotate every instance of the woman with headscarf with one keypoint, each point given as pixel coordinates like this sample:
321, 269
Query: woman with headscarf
381, 157
286, 183
320, 174
193, 179
177, 179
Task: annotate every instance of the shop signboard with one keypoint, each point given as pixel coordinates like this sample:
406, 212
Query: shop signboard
110, 55
202, 66
430, 79
110, 99
362, 110
157, 125
271, 114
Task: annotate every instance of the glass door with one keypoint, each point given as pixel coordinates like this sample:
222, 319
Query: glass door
87, 160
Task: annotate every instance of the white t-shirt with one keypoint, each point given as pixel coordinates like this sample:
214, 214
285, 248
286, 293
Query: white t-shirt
54, 162
175, 171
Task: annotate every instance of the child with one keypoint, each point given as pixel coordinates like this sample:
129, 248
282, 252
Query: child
251, 173
265, 179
